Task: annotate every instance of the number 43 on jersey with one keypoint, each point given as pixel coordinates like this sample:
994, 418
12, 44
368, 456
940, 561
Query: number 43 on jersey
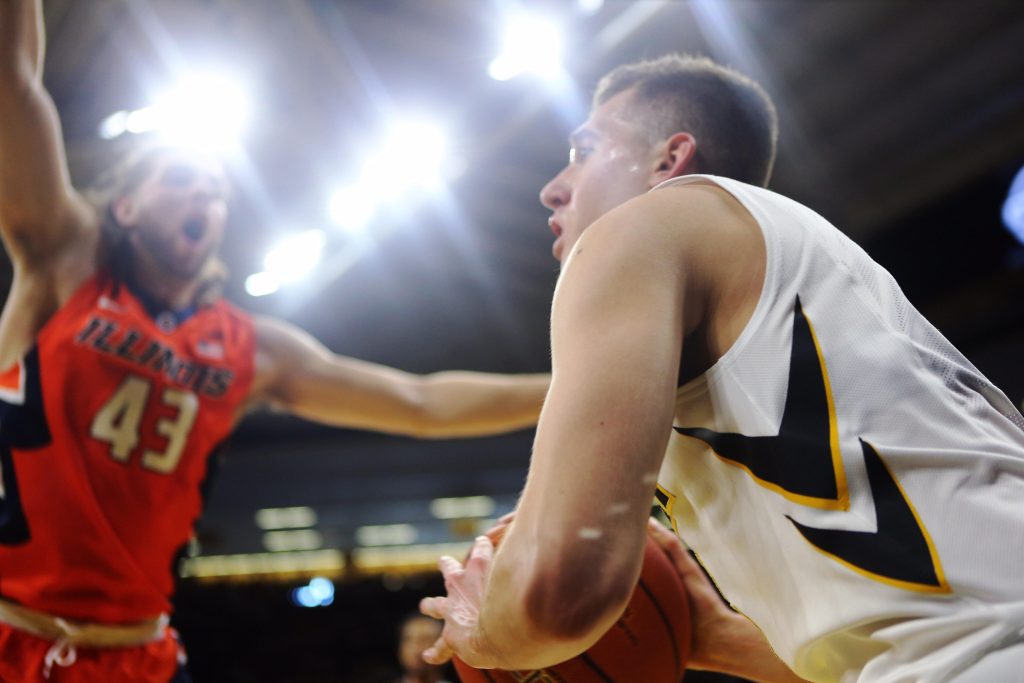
119, 422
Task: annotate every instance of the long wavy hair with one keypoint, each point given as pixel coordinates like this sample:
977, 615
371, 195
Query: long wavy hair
121, 180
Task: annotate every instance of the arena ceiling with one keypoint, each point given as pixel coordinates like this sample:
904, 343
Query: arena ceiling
902, 122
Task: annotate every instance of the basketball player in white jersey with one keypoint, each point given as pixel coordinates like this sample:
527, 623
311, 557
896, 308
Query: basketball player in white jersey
853, 485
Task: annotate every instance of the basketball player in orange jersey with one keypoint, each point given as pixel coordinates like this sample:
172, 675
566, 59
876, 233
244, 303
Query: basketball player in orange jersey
852, 483
119, 383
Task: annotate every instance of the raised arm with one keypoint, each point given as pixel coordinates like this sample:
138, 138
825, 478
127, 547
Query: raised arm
40, 212
22, 33
297, 373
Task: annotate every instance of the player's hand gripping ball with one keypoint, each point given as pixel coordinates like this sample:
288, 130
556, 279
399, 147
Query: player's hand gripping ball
650, 643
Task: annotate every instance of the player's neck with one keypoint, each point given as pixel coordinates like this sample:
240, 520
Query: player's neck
147, 278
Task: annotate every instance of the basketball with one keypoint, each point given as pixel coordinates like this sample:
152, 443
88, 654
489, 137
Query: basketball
650, 643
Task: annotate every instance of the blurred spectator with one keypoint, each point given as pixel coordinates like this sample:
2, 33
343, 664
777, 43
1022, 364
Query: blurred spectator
415, 635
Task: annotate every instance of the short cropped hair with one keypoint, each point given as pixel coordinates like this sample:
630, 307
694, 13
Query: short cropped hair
731, 116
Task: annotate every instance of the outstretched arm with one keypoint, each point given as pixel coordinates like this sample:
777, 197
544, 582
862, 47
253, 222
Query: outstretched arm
299, 374
40, 213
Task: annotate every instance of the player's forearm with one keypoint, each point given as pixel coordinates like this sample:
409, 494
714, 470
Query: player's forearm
40, 213
747, 654
554, 589
520, 638
475, 404
441, 406
297, 373
21, 40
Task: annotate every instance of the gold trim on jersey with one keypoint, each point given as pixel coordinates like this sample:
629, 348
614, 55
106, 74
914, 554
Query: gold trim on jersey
842, 494
841, 504
667, 505
841, 501
940, 575
847, 547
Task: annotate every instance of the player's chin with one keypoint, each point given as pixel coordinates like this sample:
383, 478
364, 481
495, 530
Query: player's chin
189, 268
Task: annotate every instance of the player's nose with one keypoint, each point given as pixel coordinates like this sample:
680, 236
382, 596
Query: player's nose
557, 192
204, 191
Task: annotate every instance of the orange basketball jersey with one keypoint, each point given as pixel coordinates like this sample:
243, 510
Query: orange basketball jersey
106, 428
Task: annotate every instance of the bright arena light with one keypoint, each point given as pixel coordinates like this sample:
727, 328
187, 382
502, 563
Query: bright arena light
424, 142
292, 539
531, 44
462, 508
295, 256
412, 155
208, 110
262, 284
296, 517
1013, 207
114, 125
351, 208
144, 120
319, 593
386, 534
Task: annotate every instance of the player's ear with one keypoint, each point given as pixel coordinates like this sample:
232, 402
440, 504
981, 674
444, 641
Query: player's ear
674, 156
123, 210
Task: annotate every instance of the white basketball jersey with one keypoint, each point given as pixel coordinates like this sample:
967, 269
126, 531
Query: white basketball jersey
851, 482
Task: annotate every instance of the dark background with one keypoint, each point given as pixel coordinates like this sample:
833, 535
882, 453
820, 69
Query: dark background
902, 123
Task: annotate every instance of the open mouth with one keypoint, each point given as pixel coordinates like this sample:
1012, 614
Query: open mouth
195, 228
555, 226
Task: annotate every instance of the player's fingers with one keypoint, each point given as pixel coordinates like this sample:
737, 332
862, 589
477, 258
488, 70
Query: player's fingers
496, 533
482, 552
662, 535
448, 565
500, 528
434, 607
674, 548
438, 653
702, 595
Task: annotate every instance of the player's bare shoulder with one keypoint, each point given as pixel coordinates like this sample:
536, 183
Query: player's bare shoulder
714, 226
725, 251
699, 225
710, 249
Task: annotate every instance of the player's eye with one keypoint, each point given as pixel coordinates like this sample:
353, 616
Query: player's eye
579, 154
218, 192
